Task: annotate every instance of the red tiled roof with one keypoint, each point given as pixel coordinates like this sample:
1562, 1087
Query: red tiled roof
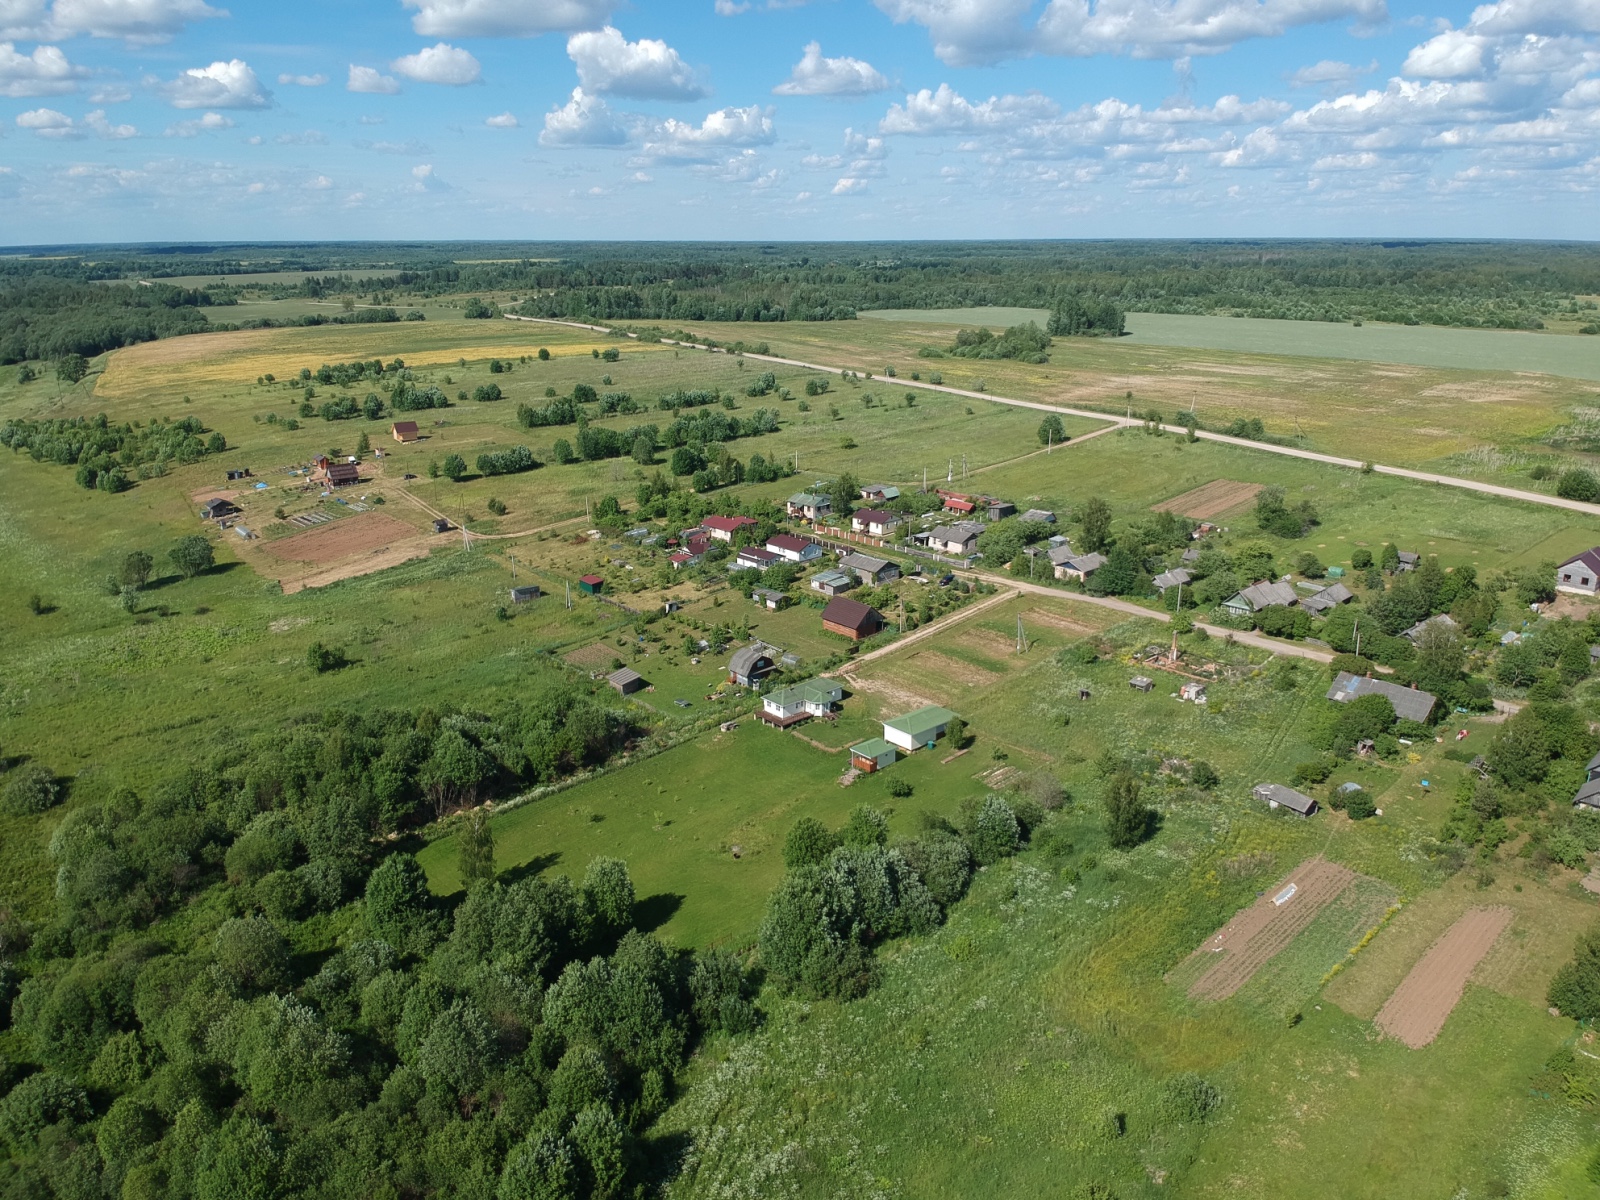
590, 579
727, 524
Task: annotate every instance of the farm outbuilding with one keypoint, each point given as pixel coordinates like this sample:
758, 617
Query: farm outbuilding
626, 681
1328, 599
404, 431
343, 474
528, 591
1275, 795
1269, 594
851, 618
1077, 566
592, 584
831, 582
749, 666
919, 728
871, 756
1141, 683
768, 598
211, 510
869, 568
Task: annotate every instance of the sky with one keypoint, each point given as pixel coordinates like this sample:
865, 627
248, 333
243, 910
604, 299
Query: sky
152, 120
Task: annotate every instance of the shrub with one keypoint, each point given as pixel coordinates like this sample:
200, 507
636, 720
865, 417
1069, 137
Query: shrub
899, 788
993, 832
809, 843
1577, 484
1128, 821
1188, 1099
1575, 990
32, 789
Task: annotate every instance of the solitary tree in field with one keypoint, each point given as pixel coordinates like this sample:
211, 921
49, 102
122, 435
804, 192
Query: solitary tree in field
1052, 431
136, 568
1096, 521
192, 555
72, 368
1127, 819
454, 467
363, 444
477, 850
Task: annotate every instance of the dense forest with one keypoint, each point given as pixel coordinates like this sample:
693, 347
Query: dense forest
54, 300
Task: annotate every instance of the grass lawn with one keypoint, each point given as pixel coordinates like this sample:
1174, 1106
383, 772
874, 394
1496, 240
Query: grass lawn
675, 817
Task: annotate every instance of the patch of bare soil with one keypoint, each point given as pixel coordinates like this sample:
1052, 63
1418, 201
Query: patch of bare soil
955, 670
888, 690
1215, 499
1259, 933
205, 494
341, 539
1066, 624
592, 657
1419, 1007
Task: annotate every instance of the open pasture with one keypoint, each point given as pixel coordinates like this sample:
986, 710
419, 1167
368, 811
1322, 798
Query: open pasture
1399, 413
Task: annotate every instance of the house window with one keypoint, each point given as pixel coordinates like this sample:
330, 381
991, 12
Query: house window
1566, 578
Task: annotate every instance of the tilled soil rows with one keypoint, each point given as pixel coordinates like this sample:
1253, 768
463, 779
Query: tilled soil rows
1419, 1007
1258, 933
1214, 499
342, 539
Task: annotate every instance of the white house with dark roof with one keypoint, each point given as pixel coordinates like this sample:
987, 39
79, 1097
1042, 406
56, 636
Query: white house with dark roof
1076, 566
793, 549
960, 538
1580, 574
874, 521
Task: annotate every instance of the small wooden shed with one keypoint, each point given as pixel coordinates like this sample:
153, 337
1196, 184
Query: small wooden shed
591, 584
626, 681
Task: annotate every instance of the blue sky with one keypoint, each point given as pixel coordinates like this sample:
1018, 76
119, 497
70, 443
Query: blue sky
134, 120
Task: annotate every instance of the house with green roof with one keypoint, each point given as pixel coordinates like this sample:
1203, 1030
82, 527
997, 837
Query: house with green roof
919, 728
791, 705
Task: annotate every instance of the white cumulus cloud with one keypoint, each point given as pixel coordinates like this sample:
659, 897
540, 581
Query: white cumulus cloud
649, 69
1330, 73
444, 63
815, 75
505, 120
210, 123
289, 80
1452, 55
972, 32
134, 21
506, 18
947, 111
371, 81
684, 141
45, 72
230, 84
849, 186
47, 123
584, 120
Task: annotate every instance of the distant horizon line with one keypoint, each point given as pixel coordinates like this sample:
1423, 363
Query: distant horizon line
1396, 241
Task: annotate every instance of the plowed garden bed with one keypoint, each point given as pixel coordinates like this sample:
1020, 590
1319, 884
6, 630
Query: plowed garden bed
1419, 1007
1215, 499
341, 539
1259, 933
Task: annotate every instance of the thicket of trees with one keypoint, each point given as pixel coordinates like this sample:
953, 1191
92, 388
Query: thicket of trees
109, 456
186, 1026
49, 318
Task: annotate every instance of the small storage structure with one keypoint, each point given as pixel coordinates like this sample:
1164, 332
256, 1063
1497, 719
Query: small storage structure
591, 584
528, 591
871, 756
626, 681
1275, 795
1141, 683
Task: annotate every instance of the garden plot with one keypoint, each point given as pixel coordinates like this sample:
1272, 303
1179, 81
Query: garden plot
1257, 934
342, 539
1419, 1007
1215, 499
358, 545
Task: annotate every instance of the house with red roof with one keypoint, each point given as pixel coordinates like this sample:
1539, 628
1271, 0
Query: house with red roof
723, 528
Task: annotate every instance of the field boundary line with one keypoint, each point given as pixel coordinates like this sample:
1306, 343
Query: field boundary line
1471, 485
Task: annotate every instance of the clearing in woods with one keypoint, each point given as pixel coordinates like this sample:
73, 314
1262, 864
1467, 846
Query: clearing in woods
1257, 934
1420, 1005
1215, 499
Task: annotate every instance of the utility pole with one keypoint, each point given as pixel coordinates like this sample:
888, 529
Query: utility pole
569, 594
1358, 637
1021, 640
1175, 613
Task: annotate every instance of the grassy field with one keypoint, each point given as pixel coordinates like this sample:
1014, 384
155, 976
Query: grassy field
998, 1051
1394, 413
1413, 345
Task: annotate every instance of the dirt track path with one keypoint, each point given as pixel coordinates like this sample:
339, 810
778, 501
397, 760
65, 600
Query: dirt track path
1419, 1007
1471, 485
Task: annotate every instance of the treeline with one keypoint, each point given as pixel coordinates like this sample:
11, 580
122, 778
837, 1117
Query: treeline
50, 319
1490, 284
108, 455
